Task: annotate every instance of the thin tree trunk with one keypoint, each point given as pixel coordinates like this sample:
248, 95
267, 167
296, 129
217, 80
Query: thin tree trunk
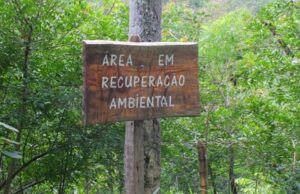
294, 163
256, 184
9, 179
283, 45
63, 177
202, 167
145, 20
21, 168
233, 187
23, 107
212, 177
110, 179
87, 185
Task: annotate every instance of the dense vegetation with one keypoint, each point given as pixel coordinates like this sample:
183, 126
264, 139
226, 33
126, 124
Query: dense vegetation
249, 72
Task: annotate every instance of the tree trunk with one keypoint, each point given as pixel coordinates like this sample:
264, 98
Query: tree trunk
144, 25
23, 106
231, 170
152, 156
202, 167
294, 163
212, 177
145, 20
134, 157
87, 185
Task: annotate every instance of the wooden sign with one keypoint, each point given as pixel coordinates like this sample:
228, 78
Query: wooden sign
137, 81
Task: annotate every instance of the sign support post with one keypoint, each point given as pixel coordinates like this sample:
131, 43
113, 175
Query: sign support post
139, 25
134, 157
134, 152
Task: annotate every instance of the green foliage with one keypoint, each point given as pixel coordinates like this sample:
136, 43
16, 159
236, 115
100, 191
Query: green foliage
249, 99
250, 105
187, 20
40, 79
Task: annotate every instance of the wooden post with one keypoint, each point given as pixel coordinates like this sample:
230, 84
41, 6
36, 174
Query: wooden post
134, 157
144, 23
134, 152
202, 167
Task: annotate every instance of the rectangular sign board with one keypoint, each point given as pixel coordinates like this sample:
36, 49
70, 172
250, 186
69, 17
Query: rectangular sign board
136, 81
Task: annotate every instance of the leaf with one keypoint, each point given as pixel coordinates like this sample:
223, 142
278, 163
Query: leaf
9, 141
14, 154
9, 127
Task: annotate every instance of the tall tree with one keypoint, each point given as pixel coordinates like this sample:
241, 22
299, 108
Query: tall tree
40, 95
145, 20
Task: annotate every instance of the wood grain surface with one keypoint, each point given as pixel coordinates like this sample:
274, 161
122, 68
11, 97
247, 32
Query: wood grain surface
108, 64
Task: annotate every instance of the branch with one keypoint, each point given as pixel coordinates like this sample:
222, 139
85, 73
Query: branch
283, 44
19, 12
28, 163
111, 8
22, 188
25, 165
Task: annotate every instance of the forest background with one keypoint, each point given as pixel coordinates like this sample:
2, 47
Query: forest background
249, 72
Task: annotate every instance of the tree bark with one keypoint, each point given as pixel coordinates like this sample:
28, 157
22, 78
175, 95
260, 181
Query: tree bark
294, 163
202, 167
145, 20
144, 26
134, 157
152, 156
87, 185
233, 187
